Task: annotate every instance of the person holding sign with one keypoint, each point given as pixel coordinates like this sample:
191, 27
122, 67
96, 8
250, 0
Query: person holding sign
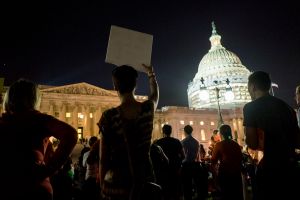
126, 131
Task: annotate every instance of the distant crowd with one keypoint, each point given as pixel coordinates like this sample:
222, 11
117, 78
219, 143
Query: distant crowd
123, 163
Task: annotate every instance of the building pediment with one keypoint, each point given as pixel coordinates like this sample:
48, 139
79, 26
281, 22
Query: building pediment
80, 89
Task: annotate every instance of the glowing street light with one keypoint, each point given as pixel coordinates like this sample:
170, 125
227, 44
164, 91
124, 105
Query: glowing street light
228, 95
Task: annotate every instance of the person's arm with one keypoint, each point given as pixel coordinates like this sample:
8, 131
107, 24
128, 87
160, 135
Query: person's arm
67, 137
104, 153
84, 159
216, 156
154, 91
251, 138
93, 156
181, 152
251, 127
103, 161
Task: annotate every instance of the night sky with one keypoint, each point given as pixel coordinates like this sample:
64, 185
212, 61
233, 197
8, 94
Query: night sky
62, 43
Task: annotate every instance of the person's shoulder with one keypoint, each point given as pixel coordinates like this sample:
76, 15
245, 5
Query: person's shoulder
195, 140
258, 103
148, 104
251, 104
159, 141
43, 116
183, 140
109, 112
175, 140
283, 103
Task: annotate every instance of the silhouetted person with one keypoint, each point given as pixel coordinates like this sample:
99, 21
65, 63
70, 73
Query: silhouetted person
126, 131
271, 127
229, 155
25, 175
173, 149
160, 164
193, 175
91, 186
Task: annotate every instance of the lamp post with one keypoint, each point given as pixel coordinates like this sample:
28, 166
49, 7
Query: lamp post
228, 95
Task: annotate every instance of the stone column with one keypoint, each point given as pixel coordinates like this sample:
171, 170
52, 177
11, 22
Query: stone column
62, 113
75, 117
87, 121
51, 109
96, 117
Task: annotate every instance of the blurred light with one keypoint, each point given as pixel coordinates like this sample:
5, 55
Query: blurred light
229, 96
204, 95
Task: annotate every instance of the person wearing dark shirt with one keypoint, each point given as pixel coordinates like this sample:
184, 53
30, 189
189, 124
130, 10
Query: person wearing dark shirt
26, 173
271, 127
173, 149
194, 178
229, 154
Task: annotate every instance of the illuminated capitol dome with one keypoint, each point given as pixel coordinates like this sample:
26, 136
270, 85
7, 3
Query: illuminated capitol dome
220, 70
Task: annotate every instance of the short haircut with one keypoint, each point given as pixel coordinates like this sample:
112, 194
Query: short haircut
188, 129
167, 129
92, 140
125, 78
261, 80
225, 131
22, 95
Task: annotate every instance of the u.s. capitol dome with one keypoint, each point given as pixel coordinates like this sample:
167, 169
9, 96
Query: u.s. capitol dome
217, 66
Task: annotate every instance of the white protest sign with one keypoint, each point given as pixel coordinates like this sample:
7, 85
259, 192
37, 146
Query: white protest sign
128, 47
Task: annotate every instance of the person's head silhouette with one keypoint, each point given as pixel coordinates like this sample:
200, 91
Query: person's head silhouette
22, 95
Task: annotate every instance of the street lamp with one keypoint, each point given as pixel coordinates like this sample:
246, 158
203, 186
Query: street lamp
204, 95
228, 95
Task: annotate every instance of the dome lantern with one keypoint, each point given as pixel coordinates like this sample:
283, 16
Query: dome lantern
215, 39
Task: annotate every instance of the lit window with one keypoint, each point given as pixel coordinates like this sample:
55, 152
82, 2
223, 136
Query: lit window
191, 122
80, 115
79, 130
68, 115
202, 123
181, 122
162, 125
202, 134
91, 115
212, 123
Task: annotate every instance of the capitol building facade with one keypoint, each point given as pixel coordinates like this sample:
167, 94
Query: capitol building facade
81, 104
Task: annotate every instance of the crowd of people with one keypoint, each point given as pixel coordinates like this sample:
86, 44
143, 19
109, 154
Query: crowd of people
123, 163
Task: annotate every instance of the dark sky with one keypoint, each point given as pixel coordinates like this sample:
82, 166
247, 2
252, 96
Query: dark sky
65, 42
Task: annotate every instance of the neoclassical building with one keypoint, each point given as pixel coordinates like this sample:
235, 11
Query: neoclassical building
217, 66
81, 104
